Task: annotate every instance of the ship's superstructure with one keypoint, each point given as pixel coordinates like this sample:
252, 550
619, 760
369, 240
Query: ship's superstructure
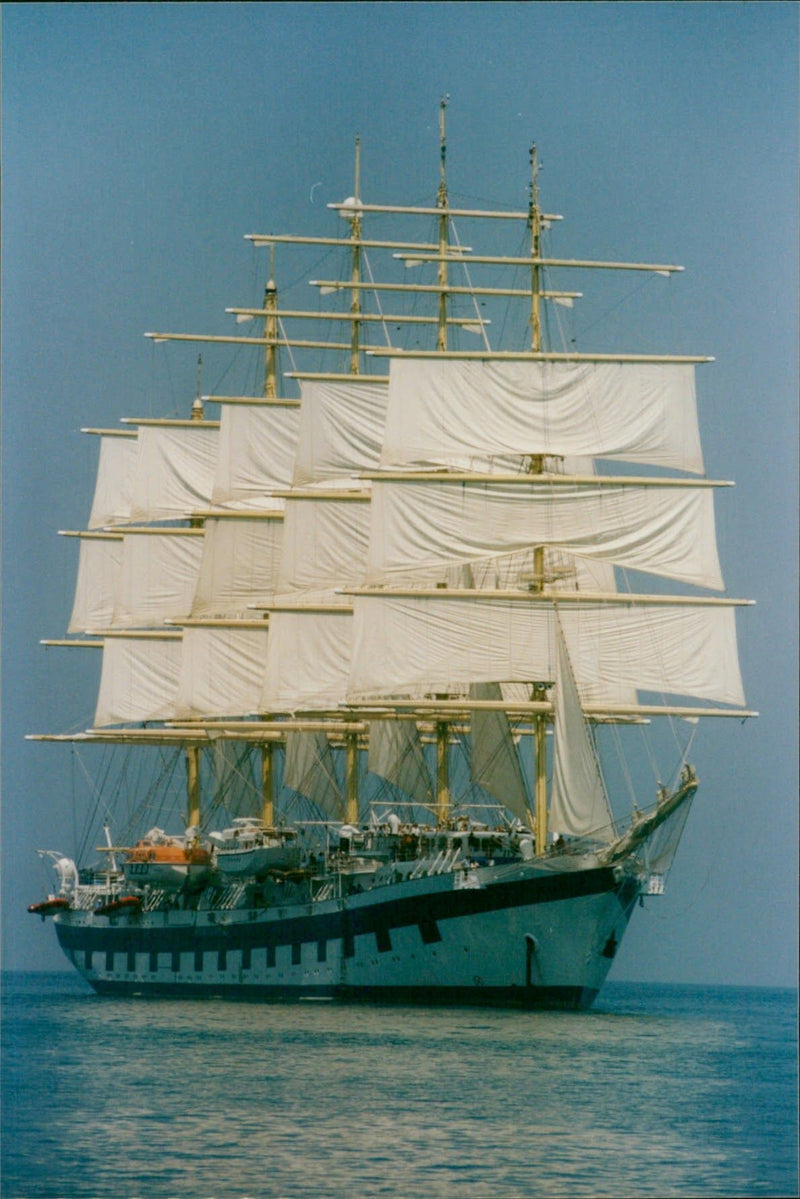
383, 622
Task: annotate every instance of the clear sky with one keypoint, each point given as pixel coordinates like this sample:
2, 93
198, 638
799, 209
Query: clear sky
141, 142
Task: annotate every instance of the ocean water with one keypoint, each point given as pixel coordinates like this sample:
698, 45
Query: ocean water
658, 1091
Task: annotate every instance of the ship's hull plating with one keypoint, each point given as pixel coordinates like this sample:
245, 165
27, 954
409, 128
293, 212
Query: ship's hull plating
524, 936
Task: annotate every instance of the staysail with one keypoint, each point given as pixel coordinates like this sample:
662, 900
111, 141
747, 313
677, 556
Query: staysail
494, 760
395, 753
578, 801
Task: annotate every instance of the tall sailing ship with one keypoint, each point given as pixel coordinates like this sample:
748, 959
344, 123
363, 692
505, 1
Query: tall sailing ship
387, 623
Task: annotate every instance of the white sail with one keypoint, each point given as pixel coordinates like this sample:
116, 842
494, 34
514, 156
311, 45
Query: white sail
99, 564
255, 456
578, 802
113, 491
309, 770
174, 470
157, 577
308, 658
324, 544
222, 671
440, 642
442, 410
395, 753
239, 565
662, 847
139, 680
341, 428
494, 759
234, 785
665, 531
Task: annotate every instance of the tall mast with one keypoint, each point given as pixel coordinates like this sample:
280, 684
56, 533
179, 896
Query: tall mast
442, 726
355, 275
351, 739
442, 773
271, 332
267, 783
536, 467
351, 777
441, 204
198, 411
193, 785
535, 225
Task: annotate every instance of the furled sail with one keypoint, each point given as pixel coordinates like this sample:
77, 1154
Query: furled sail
255, 454
442, 640
115, 472
139, 679
222, 671
494, 759
174, 470
578, 803
239, 565
444, 409
666, 531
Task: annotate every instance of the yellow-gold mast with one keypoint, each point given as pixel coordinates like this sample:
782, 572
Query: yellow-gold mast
441, 204
536, 467
271, 332
442, 726
355, 271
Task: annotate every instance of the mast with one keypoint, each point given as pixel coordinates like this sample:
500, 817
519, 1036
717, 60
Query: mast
351, 738
198, 411
193, 751
535, 225
270, 393
271, 332
442, 726
267, 783
441, 204
536, 467
193, 784
351, 777
442, 774
355, 274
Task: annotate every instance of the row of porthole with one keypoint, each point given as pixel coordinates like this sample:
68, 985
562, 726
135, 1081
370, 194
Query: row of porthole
222, 966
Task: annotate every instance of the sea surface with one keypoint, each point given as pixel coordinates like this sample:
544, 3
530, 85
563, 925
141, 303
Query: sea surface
658, 1091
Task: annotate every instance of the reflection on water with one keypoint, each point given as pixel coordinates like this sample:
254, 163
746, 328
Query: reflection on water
658, 1091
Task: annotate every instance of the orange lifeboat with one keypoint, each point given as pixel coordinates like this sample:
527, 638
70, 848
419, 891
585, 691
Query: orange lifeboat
125, 903
170, 862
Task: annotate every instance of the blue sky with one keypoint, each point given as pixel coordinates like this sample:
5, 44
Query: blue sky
141, 142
